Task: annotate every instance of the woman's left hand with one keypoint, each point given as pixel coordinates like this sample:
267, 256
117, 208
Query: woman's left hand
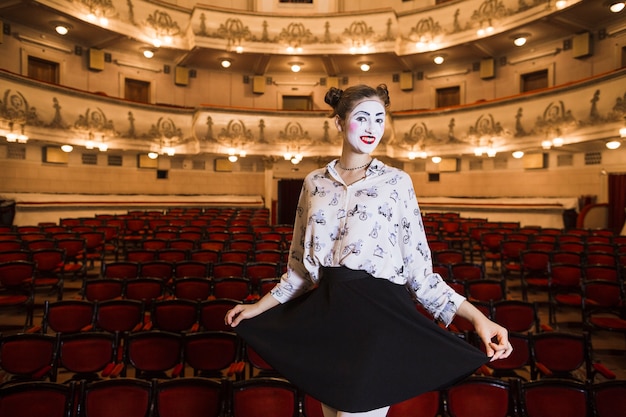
495, 338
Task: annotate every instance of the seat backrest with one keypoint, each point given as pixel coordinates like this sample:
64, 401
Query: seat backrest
212, 313
424, 405
128, 397
85, 354
553, 397
29, 356
608, 397
190, 397
516, 315
120, 269
192, 288
262, 397
208, 353
479, 396
67, 316
16, 274
153, 352
174, 315
37, 398
562, 353
120, 315
102, 289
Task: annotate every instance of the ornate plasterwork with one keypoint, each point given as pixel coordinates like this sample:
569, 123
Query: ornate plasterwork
15, 109
577, 113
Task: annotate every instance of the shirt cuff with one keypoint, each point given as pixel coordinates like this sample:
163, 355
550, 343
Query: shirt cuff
452, 306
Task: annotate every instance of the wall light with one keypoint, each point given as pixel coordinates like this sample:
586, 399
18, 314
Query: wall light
617, 6
61, 28
557, 142
613, 144
296, 66
519, 39
438, 59
546, 144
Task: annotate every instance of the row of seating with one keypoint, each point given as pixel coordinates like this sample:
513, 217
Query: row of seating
262, 397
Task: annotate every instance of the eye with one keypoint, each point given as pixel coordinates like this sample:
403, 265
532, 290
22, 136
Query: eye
360, 118
380, 121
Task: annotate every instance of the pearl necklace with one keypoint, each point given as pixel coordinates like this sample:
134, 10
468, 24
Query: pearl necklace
355, 168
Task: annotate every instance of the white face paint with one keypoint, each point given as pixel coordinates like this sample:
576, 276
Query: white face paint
365, 126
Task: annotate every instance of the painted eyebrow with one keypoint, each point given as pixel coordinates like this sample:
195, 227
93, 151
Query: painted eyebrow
366, 113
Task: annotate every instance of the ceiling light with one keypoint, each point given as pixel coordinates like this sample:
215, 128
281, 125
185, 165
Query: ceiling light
439, 59
153, 155
232, 158
560, 4
62, 28
296, 66
622, 132
365, 66
148, 53
556, 142
518, 154
617, 6
519, 39
226, 62
436, 159
491, 153
67, 148
546, 144
614, 144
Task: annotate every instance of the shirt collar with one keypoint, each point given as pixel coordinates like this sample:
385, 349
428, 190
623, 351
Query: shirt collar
374, 168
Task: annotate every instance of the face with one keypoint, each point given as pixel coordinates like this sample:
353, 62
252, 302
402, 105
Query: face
365, 126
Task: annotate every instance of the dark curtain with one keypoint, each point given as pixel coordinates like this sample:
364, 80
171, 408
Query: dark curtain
288, 194
617, 201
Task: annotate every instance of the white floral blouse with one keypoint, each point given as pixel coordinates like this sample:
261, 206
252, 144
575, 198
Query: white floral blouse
373, 225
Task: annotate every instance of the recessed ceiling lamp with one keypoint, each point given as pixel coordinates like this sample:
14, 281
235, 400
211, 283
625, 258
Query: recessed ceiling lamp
153, 155
438, 59
62, 28
67, 148
617, 6
613, 144
365, 66
520, 39
226, 63
148, 53
560, 4
518, 154
296, 66
436, 159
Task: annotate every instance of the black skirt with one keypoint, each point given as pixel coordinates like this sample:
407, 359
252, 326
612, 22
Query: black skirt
357, 343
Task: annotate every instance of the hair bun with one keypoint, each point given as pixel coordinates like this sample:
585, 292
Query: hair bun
333, 96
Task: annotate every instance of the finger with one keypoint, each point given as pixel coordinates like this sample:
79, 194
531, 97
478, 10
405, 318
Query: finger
488, 347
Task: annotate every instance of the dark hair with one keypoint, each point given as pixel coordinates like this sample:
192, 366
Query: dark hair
343, 102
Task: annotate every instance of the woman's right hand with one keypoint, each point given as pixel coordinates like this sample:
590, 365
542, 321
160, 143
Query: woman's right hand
247, 311
240, 312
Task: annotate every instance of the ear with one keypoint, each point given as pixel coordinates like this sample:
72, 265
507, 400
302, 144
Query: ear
338, 123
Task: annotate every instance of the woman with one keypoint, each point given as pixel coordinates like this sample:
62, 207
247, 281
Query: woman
341, 324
